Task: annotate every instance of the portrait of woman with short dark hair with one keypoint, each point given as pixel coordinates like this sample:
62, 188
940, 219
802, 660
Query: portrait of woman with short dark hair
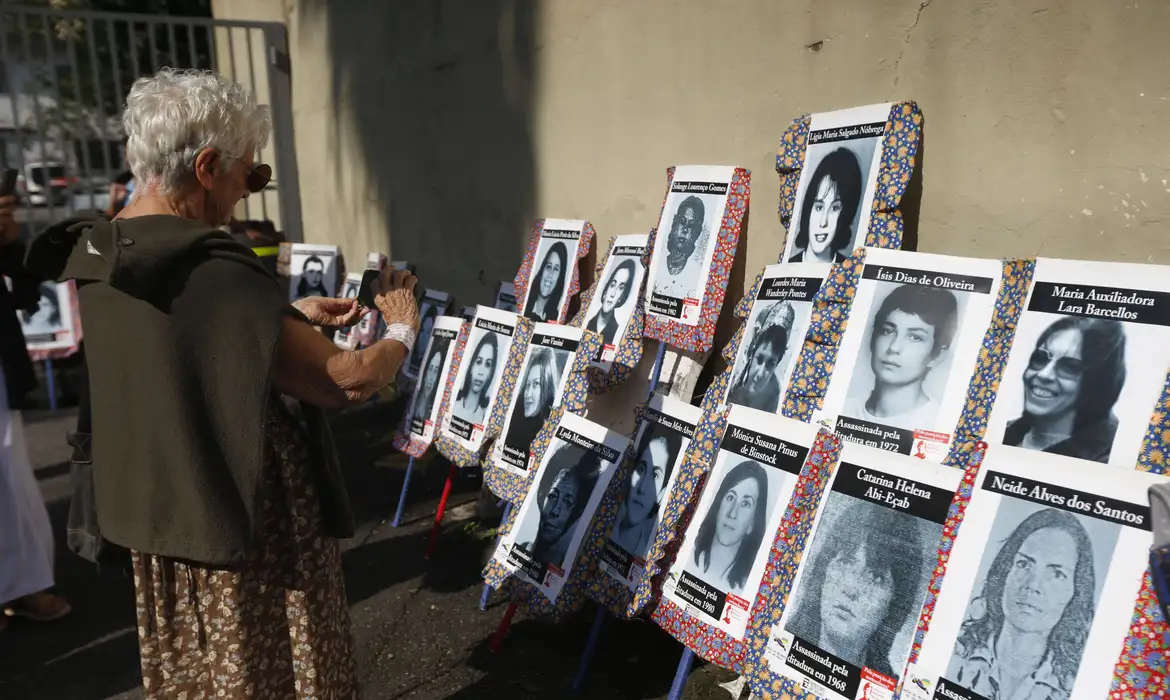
548, 285
830, 203
733, 529
561, 498
909, 337
1025, 629
475, 393
618, 289
865, 583
1070, 387
645, 487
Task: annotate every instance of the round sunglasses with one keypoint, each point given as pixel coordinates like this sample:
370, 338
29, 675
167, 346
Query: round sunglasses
1069, 368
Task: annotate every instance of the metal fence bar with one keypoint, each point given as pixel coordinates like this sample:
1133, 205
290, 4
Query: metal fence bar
38, 114
151, 28
132, 32
81, 126
62, 112
213, 48
191, 46
252, 78
99, 94
174, 49
6, 67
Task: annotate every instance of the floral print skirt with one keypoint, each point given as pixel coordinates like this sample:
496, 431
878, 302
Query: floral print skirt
278, 626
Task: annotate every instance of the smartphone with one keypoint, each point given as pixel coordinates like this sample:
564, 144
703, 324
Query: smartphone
8, 182
365, 295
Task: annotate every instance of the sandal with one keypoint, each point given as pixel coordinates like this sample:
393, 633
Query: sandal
39, 607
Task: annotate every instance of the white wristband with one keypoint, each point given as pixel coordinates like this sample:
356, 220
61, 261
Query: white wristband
402, 333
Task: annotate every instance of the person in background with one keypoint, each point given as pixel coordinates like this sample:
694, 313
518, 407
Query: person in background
121, 188
219, 477
26, 535
262, 237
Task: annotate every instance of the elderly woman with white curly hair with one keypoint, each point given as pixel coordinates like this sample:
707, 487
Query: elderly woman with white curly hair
213, 464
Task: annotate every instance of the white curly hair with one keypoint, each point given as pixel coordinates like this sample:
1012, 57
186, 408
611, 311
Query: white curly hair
174, 114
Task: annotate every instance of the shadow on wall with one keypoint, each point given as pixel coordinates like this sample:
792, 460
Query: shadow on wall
437, 95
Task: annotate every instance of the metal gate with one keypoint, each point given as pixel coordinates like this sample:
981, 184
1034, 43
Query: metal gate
64, 75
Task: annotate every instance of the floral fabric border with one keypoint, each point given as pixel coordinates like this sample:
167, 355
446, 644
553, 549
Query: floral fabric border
407, 442
508, 485
701, 337
525, 272
903, 134
713, 644
818, 356
993, 357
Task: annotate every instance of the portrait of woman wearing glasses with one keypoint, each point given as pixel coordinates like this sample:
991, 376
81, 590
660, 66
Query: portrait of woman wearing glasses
1071, 384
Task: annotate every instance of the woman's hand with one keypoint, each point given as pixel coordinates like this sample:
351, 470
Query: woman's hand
394, 295
336, 313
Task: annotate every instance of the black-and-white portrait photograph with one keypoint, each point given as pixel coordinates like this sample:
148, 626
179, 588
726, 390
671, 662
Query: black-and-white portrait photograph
430, 385
552, 269
645, 488
346, 337
1087, 363
771, 341
830, 214
49, 318
905, 359
863, 582
478, 372
614, 301
313, 271
548, 530
682, 255
1039, 584
1070, 385
733, 529
428, 310
538, 391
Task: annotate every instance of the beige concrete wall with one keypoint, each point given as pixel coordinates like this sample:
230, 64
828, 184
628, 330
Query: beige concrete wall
435, 129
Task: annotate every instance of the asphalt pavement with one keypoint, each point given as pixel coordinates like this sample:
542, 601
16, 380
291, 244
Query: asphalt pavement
417, 625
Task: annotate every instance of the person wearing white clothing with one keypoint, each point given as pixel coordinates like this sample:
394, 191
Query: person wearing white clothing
26, 536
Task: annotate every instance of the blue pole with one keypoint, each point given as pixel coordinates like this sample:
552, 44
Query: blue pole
487, 589
402, 496
681, 674
590, 649
595, 631
657, 367
51, 378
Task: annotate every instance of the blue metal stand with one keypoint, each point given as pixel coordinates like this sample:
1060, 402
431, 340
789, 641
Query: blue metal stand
681, 674
51, 380
599, 619
487, 589
402, 496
